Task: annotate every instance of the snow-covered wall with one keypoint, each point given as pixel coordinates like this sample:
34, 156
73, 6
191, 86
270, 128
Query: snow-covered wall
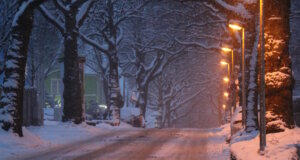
295, 43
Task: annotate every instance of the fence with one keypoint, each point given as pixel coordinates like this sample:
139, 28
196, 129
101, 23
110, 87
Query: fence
32, 111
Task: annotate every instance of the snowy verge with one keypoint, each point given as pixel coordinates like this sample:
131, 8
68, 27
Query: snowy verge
280, 146
52, 134
217, 147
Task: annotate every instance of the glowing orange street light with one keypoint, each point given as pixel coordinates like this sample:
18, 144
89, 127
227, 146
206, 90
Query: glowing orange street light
226, 79
226, 94
224, 106
235, 27
224, 63
225, 49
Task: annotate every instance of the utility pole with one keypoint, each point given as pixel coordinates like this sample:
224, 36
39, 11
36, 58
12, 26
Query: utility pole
262, 135
233, 106
243, 79
241, 28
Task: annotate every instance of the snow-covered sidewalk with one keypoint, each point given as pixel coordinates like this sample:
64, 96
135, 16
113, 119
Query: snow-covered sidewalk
51, 135
217, 147
280, 146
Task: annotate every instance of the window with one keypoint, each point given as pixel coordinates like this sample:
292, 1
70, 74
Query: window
54, 87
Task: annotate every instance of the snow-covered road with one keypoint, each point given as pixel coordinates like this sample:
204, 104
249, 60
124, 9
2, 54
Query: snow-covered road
138, 144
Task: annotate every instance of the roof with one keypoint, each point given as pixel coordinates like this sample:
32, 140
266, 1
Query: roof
87, 70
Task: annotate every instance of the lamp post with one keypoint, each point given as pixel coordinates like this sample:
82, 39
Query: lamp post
228, 50
224, 107
227, 80
223, 63
262, 133
239, 28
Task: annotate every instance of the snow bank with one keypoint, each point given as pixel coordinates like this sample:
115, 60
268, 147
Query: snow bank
11, 144
217, 147
128, 113
52, 134
279, 146
48, 113
123, 125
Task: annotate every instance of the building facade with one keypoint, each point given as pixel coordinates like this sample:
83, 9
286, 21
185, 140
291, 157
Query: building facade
93, 88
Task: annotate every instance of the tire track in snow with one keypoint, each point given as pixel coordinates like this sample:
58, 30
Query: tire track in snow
136, 147
57, 152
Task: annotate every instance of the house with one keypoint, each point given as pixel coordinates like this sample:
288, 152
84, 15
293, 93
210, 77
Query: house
93, 87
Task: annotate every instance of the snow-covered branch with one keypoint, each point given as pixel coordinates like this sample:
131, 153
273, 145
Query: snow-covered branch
201, 45
238, 9
52, 19
83, 12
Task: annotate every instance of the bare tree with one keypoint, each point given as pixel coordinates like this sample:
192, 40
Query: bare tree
179, 89
106, 37
74, 14
13, 86
7, 11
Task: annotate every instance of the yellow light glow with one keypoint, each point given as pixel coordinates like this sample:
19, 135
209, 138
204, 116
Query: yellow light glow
226, 94
235, 27
224, 63
226, 49
224, 106
226, 79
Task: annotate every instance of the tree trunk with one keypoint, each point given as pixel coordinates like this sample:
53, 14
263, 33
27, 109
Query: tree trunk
252, 98
279, 80
142, 103
72, 91
168, 114
115, 98
159, 117
14, 80
105, 91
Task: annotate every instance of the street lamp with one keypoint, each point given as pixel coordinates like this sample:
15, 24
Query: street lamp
240, 28
227, 50
226, 94
226, 79
262, 133
224, 106
223, 63
235, 27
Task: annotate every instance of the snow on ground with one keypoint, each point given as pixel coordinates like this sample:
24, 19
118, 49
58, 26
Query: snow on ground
217, 147
279, 146
52, 134
48, 113
212, 143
